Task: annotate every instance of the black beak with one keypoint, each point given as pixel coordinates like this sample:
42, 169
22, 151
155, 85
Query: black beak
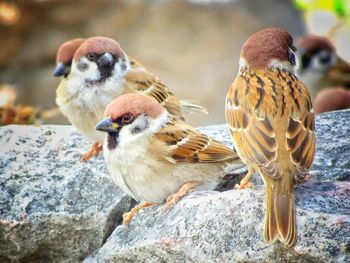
107, 125
106, 61
61, 70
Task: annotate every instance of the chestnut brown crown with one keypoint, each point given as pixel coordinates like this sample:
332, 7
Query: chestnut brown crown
266, 45
135, 104
312, 42
99, 45
65, 52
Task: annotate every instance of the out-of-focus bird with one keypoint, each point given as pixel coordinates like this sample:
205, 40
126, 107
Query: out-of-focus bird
100, 72
154, 157
319, 66
64, 56
330, 99
11, 113
271, 119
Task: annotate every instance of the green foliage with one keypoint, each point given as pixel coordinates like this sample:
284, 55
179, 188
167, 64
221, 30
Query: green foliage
339, 7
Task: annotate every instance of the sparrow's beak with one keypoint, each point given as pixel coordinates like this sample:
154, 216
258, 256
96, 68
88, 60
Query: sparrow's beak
61, 70
107, 125
106, 60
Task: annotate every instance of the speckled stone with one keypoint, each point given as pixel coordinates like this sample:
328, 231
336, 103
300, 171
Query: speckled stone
228, 226
53, 206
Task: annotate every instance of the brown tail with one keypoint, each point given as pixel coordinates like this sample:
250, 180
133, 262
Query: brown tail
280, 210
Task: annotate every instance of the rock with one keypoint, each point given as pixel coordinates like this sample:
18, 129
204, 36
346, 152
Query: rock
53, 207
228, 226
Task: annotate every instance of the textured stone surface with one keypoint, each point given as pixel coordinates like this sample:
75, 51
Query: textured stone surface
53, 207
228, 226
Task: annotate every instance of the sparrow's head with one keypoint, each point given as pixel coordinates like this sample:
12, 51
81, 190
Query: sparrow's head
64, 56
315, 54
130, 117
270, 47
98, 59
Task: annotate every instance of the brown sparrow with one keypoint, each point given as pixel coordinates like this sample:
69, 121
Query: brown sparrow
330, 99
154, 157
64, 56
271, 119
319, 66
100, 72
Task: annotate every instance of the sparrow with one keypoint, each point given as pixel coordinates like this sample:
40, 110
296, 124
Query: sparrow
154, 157
271, 119
100, 72
319, 66
330, 99
64, 56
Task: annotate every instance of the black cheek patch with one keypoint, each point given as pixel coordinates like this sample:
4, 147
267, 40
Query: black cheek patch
291, 58
139, 128
82, 66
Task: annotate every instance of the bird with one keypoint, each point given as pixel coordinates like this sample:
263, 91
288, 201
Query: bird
64, 56
319, 66
332, 98
271, 119
101, 71
154, 157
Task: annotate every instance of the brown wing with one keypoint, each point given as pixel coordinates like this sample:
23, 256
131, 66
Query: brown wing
257, 103
252, 132
301, 139
140, 80
185, 144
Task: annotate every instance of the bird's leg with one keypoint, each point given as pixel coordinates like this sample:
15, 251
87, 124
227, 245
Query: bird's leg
245, 181
94, 151
184, 189
129, 215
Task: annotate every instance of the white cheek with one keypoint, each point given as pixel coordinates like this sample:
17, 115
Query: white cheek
91, 71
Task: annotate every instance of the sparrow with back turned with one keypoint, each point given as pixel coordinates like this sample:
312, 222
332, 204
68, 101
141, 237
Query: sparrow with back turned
271, 119
100, 72
319, 66
154, 157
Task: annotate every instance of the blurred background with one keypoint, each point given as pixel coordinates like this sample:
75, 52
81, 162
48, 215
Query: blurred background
191, 45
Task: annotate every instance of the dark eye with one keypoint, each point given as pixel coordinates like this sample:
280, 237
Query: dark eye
91, 56
127, 118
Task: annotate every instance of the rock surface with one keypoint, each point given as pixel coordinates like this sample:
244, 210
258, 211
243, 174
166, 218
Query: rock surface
53, 207
228, 226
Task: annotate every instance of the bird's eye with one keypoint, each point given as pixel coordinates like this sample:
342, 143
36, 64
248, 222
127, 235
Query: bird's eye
127, 118
91, 56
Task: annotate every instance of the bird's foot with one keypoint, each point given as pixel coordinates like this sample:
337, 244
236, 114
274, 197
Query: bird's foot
184, 190
94, 151
129, 215
244, 186
245, 181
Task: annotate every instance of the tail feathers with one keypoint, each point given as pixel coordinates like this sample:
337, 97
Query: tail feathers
192, 107
280, 219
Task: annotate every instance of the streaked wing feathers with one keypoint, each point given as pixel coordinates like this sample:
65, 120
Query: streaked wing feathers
140, 80
188, 145
301, 140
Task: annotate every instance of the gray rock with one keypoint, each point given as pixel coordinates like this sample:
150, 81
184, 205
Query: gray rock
228, 226
53, 207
